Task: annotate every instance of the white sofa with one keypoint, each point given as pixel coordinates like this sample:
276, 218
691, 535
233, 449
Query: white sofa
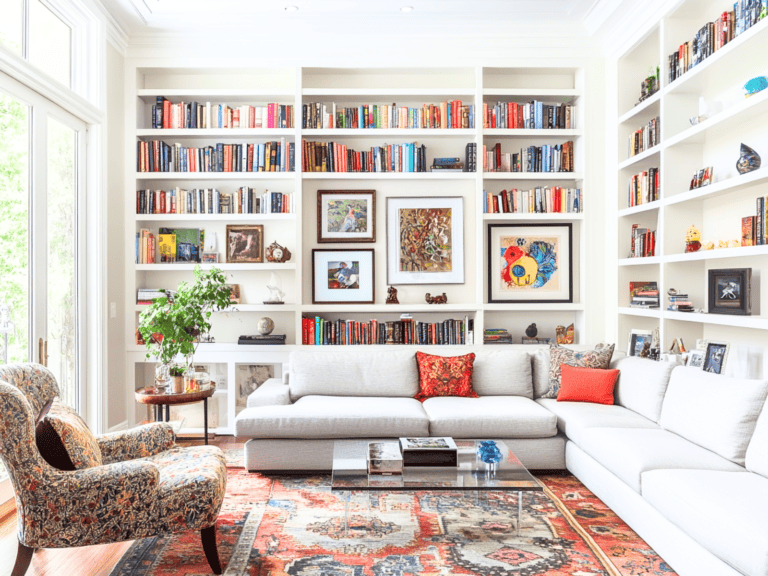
682, 455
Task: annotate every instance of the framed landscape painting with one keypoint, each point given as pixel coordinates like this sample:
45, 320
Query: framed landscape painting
425, 240
346, 216
530, 263
343, 276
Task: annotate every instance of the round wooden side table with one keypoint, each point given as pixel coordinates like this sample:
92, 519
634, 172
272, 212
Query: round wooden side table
152, 397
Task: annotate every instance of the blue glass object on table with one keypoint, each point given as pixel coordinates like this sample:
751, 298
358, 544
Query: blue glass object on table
488, 452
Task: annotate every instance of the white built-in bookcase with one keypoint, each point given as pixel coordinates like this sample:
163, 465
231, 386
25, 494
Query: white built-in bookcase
716, 209
349, 87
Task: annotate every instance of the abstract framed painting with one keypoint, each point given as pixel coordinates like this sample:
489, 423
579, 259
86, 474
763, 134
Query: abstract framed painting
425, 240
530, 263
343, 276
346, 216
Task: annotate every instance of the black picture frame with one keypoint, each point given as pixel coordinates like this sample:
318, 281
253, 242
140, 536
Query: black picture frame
353, 288
716, 357
730, 291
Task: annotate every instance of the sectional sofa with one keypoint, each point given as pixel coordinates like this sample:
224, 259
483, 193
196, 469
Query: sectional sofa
681, 456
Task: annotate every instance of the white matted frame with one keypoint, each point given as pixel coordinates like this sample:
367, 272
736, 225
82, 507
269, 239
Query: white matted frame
412, 259
346, 216
716, 356
354, 285
637, 339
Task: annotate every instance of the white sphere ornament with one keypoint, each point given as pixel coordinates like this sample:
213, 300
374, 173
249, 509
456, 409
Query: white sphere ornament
265, 326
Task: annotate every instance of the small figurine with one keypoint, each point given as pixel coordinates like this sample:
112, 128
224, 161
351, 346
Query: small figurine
565, 335
748, 161
531, 331
692, 239
722, 244
646, 351
755, 85
276, 293
436, 299
709, 245
277, 253
735, 244
392, 295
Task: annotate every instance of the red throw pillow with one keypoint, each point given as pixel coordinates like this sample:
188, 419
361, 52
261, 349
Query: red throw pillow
586, 385
445, 376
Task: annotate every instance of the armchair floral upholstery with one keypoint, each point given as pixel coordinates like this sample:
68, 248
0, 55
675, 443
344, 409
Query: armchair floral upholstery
146, 486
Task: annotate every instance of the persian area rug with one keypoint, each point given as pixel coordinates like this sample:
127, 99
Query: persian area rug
295, 526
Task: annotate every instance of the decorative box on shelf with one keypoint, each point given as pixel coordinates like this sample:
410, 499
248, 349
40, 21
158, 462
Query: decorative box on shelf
440, 451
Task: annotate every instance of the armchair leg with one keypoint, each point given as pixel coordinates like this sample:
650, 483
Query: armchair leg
208, 536
23, 558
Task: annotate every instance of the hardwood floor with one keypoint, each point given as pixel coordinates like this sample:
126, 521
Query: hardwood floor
86, 561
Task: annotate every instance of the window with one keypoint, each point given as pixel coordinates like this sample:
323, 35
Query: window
12, 25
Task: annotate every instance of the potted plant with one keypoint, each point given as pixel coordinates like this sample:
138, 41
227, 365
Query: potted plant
177, 375
173, 327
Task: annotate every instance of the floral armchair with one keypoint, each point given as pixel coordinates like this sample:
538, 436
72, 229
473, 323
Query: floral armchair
115, 487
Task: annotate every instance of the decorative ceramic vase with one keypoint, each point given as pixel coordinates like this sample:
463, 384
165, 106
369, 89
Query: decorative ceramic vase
748, 161
265, 326
531, 331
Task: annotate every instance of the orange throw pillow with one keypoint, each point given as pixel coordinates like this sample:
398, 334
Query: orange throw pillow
445, 376
586, 385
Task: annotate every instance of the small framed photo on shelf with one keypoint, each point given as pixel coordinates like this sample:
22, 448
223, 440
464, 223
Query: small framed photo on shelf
343, 276
425, 240
346, 216
640, 342
730, 291
245, 243
695, 359
716, 356
210, 257
530, 263
234, 293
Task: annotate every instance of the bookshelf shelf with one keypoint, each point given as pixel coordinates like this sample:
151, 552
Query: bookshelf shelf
646, 312
220, 94
239, 308
528, 93
215, 176
538, 307
647, 261
213, 217
727, 186
538, 133
640, 208
437, 175
221, 266
391, 308
741, 251
510, 217
653, 101
753, 322
390, 92
399, 132
644, 155
533, 175
159, 133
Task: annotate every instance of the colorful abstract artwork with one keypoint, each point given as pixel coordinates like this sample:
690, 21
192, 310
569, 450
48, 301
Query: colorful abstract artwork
347, 216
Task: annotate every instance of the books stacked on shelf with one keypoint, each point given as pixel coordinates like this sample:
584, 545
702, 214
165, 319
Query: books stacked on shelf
145, 296
643, 187
335, 157
262, 340
761, 221
643, 295
167, 115
447, 164
157, 156
545, 158
210, 201
470, 157
317, 331
145, 247
446, 115
173, 245
679, 302
538, 200
714, 35
496, 336
643, 242
534, 115
529, 340
644, 138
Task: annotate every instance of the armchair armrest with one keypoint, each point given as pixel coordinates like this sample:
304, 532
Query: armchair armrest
139, 442
272, 393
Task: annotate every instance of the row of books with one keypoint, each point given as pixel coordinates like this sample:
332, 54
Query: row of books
335, 157
643, 242
146, 247
643, 295
644, 138
680, 303
157, 156
545, 158
533, 115
758, 235
714, 35
210, 201
537, 200
167, 115
451, 114
496, 336
317, 331
643, 187
173, 245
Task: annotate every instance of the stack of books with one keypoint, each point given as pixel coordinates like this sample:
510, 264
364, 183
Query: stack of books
449, 164
266, 340
643, 295
497, 336
147, 295
643, 242
644, 138
680, 303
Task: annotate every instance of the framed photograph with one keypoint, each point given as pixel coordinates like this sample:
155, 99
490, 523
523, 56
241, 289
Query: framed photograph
695, 359
210, 257
245, 243
530, 263
640, 343
343, 276
234, 293
248, 377
425, 240
346, 216
715, 356
730, 291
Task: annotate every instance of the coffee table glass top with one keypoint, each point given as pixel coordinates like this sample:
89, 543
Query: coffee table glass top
350, 471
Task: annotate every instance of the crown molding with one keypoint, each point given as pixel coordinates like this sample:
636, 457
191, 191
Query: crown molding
117, 34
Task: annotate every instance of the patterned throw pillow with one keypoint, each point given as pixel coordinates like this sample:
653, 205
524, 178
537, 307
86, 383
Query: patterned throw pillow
65, 441
586, 385
445, 376
599, 358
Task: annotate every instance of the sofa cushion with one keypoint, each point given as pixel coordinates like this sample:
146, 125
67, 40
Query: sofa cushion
445, 376
489, 417
641, 384
573, 418
360, 373
599, 358
503, 373
629, 452
725, 512
335, 417
713, 411
586, 385
757, 451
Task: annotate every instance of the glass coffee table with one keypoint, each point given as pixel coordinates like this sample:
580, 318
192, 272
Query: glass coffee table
350, 474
